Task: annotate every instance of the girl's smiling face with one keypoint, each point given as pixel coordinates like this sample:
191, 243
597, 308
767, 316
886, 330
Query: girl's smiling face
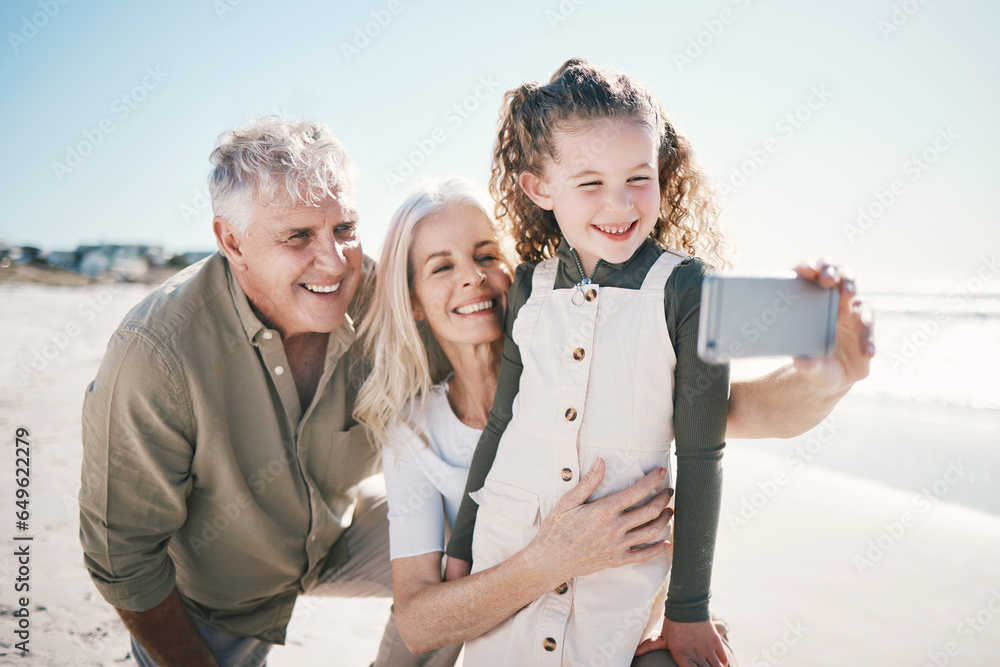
460, 279
604, 189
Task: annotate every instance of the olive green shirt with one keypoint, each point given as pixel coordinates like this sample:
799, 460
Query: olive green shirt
701, 407
200, 468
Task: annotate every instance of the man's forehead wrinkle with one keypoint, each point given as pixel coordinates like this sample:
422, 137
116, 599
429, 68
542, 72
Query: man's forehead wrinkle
296, 213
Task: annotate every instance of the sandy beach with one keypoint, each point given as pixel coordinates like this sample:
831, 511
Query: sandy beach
872, 540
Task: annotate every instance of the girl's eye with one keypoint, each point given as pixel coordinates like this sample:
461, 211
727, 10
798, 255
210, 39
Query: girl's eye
590, 184
485, 259
442, 268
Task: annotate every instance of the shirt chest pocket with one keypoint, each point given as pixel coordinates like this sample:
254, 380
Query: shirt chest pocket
339, 461
507, 520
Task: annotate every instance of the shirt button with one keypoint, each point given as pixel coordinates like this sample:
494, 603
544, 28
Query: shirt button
562, 588
549, 644
268, 335
570, 415
278, 370
567, 474
591, 294
579, 354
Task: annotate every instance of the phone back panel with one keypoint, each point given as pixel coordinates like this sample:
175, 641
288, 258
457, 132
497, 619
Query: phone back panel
750, 316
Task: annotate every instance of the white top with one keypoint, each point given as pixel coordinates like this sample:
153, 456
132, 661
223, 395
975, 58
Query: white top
425, 481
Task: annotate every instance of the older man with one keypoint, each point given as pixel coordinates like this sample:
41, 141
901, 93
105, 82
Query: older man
223, 470
222, 466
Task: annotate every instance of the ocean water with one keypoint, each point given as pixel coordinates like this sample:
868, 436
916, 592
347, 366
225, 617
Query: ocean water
931, 402
939, 348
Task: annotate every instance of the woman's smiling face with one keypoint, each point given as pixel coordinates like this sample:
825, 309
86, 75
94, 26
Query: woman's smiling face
460, 280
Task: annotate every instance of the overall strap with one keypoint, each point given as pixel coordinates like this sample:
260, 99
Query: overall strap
544, 277
656, 277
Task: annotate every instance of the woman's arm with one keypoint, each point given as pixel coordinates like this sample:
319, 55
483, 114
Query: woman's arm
798, 396
577, 538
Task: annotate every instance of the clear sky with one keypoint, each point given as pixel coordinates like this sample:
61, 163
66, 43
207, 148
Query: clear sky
802, 112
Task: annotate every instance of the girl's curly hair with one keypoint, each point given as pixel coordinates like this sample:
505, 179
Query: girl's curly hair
581, 92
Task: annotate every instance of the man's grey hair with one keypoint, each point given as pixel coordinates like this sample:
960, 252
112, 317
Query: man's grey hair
273, 161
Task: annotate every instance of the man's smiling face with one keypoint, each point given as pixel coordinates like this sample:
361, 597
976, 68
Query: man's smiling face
300, 265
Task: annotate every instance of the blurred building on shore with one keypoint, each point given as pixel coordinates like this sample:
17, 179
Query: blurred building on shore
123, 262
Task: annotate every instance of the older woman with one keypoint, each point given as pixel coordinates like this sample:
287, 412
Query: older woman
435, 336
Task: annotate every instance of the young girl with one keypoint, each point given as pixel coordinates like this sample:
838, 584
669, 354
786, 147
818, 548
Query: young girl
606, 206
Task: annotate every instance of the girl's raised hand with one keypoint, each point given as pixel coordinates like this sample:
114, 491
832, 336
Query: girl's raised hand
851, 358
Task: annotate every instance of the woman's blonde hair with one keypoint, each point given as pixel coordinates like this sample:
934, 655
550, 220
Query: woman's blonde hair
406, 358
581, 92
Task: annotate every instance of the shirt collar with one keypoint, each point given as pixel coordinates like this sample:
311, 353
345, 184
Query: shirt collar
251, 323
567, 256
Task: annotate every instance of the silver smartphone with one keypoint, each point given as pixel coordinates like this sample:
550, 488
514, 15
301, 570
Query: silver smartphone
750, 316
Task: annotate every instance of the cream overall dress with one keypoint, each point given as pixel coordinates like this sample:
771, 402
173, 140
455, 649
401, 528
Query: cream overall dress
597, 382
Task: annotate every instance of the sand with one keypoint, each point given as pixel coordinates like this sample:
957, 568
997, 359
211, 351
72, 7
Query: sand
873, 540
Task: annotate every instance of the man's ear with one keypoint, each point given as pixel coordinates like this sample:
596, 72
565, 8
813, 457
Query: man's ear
537, 190
230, 242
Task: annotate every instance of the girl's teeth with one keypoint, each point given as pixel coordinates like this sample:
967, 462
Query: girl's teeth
476, 307
614, 230
321, 289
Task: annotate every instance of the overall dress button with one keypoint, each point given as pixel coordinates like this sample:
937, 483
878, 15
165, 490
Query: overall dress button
549, 644
579, 354
591, 294
567, 474
570, 415
562, 588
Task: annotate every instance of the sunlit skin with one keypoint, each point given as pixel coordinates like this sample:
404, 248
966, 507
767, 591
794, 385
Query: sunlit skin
459, 288
603, 189
457, 267
290, 257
